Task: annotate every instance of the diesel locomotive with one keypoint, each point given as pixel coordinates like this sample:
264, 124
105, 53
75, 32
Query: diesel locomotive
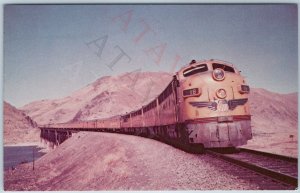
204, 106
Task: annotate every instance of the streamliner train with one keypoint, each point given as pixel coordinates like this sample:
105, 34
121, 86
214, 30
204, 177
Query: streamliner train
204, 106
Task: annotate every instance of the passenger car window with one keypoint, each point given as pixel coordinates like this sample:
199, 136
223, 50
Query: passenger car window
224, 67
195, 70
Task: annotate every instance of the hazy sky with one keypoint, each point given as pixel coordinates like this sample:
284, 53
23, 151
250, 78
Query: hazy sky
51, 50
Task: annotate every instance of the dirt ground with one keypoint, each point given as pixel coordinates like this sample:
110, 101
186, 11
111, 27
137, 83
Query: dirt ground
278, 143
105, 161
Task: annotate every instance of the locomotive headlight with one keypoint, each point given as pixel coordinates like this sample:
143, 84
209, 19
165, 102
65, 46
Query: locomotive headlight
218, 74
191, 92
221, 93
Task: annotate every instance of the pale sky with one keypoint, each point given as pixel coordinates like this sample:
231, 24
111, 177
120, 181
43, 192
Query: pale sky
47, 52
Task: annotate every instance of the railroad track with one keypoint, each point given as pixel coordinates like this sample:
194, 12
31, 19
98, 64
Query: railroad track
281, 169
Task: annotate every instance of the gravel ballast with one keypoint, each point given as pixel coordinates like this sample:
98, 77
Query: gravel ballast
106, 161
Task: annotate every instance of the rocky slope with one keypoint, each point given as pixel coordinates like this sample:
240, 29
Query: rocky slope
18, 127
274, 112
105, 97
106, 161
275, 122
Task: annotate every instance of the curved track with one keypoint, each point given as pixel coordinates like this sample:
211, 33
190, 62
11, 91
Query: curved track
280, 168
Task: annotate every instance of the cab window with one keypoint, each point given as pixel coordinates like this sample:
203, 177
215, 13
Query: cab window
195, 70
224, 67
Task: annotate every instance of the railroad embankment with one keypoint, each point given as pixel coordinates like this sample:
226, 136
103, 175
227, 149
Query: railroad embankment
105, 161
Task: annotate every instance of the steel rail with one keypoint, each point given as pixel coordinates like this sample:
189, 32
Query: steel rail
271, 155
290, 180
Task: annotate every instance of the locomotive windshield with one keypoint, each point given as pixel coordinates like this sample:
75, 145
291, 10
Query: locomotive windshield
224, 67
195, 70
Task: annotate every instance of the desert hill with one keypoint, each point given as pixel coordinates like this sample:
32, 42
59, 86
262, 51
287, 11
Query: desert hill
105, 97
275, 122
280, 109
18, 127
94, 161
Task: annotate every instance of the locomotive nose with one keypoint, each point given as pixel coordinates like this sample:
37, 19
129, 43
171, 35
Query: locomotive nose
221, 133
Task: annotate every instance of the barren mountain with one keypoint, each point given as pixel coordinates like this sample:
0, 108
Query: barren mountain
105, 97
275, 122
273, 111
18, 127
